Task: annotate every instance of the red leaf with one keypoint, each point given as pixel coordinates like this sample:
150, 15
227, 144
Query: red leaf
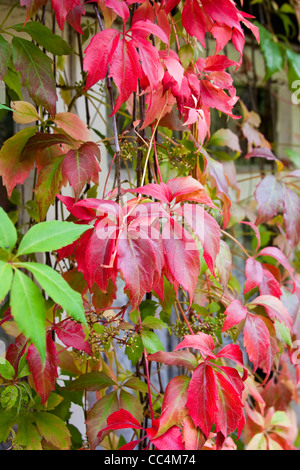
275, 309
207, 230
98, 55
202, 398
192, 437
74, 17
98, 257
125, 70
182, 256
81, 166
73, 335
274, 252
229, 406
44, 375
62, 8
254, 274
175, 358
171, 440
139, 263
119, 7
235, 314
256, 339
143, 28
121, 419
201, 341
194, 21
173, 409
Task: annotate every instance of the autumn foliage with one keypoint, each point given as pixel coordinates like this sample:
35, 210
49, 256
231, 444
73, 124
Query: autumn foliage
169, 240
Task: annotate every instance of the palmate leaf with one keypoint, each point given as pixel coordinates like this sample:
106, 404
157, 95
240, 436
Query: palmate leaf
36, 73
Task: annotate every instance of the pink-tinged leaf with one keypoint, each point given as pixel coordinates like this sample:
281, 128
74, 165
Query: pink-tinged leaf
81, 166
192, 437
256, 340
36, 72
270, 285
274, 252
119, 7
173, 65
229, 406
13, 169
139, 263
235, 314
184, 186
254, 274
215, 172
42, 141
150, 62
182, 256
44, 375
207, 230
175, 358
223, 12
125, 70
270, 196
222, 35
121, 419
131, 445
62, 8
173, 409
201, 341
291, 217
262, 153
143, 28
232, 352
202, 398
194, 21
214, 97
73, 335
98, 55
32, 7
171, 440
73, 126
98, 257
169, 5
275, 309
158, 191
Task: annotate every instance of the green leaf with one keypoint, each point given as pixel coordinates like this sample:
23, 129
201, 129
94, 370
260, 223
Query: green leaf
151, 342
6, 369
44, 37
8, 232
53, 429
6, 276
4, 56
9, 397
58, 289
29, 310
154, 323
49, 236
283, 333
134, 349
293, 60
91, 381
27, 434
36, 71
272, 51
